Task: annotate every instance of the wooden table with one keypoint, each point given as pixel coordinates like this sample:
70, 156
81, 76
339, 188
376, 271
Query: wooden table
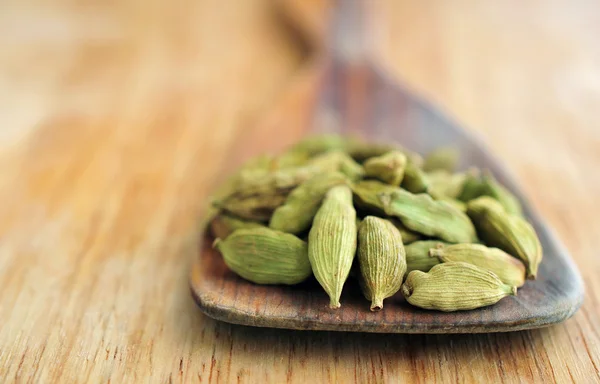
117, 117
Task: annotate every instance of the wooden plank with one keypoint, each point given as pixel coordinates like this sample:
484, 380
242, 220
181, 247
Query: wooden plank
117, 117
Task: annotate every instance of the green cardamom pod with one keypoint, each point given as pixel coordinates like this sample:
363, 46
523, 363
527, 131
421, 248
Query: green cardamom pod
506, 231
338, 161
415, 180
494, 189
441, 159
455, 286
381, 258
300, 207
408, 236
332, 242
510, 270
477, 185
417, 255
473, 186
258, 181
265, 256
443, 184
259, 208
388, 167
317, 144
366, 198
291, 159
460, 205
361, 151
228, 187
420, 213
366, 195
447, 187
223, 225
258, 193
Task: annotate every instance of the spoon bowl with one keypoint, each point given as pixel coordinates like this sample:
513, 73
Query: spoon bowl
352, 94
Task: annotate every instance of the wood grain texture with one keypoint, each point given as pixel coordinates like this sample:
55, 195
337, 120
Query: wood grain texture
118, 117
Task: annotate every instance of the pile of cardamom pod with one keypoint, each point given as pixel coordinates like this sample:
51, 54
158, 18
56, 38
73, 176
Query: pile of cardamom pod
447, 240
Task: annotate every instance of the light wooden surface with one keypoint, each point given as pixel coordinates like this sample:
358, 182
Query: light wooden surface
117, 117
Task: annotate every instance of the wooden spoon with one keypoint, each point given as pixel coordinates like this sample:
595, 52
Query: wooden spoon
344, 91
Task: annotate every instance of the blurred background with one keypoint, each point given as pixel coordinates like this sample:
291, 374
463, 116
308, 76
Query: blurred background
117, 117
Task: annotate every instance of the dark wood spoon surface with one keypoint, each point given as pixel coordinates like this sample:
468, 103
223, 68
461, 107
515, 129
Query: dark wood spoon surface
343, 90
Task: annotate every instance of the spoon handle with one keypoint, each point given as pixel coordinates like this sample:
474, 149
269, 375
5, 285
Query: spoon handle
349, 40
341, 104
354, 94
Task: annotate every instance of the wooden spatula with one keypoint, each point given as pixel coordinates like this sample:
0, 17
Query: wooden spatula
344, 91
